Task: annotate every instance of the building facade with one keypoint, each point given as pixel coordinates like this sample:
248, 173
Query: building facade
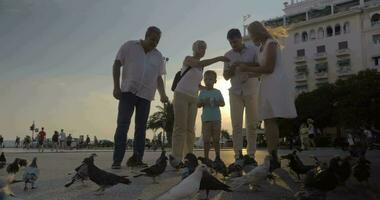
329, 39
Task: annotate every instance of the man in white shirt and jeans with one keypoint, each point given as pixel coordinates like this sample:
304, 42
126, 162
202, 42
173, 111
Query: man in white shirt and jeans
242, 94
143, 67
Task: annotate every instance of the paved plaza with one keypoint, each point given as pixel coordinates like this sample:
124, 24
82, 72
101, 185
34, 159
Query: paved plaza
55, 168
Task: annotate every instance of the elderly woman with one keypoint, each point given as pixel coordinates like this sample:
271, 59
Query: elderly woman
275, 98
185, 101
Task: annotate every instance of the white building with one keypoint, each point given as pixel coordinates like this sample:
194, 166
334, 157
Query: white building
329, 39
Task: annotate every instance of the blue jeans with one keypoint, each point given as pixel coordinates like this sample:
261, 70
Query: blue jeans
127, 104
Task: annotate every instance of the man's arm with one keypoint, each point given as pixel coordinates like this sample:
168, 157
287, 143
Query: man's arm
161, 90
116, 79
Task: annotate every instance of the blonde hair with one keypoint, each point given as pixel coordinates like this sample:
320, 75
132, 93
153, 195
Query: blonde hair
258, 29
197, 44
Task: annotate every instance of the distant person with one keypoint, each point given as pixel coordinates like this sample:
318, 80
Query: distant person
69, 140
17, 142
41, 140
27, 142
1, 141
88, 140
210, 99
62, 139
304, 136
312, 132
81, 141
55, 141
185, 101
143, 67
96, 142
242, 93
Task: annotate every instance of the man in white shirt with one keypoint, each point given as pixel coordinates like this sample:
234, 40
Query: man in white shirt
242, 94
143, 67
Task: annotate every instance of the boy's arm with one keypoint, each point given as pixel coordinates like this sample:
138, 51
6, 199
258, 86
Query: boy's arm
221, 100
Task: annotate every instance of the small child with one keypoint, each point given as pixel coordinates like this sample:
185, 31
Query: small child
210, 99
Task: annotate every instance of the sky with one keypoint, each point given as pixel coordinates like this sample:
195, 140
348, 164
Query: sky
56, 56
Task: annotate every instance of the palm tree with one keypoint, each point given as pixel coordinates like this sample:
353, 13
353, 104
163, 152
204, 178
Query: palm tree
163, 119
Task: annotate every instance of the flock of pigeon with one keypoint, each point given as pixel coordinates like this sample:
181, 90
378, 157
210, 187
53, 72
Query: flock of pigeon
197, 176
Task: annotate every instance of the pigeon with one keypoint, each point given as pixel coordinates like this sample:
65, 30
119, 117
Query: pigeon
156, 169
206, 161
209, 182
81, 171
175, 163
219, 166
296, 165
236, 169
190, 163
3, 160
343, 170
162, 156
31, 174
255, 176
361, 170
102, 178
14, 167
187, 188
323, 179
22, 162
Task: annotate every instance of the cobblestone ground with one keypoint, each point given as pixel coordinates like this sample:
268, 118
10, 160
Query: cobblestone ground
55, 167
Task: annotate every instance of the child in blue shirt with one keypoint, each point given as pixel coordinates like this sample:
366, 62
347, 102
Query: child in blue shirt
210, 99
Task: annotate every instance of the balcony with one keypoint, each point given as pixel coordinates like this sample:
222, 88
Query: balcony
300, 77
344, 67
343, 52
300, 59
320, 56
321, 70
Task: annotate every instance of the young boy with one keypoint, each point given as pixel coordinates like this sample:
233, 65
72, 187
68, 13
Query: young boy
210, 99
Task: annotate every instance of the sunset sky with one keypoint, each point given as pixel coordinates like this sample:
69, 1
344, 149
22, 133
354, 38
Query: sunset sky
56, 55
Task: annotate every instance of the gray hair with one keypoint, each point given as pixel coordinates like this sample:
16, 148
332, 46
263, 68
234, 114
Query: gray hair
197, 44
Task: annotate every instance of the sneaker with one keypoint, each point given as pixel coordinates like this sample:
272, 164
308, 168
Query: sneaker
140, 163
116, 165
132, 161
249, 160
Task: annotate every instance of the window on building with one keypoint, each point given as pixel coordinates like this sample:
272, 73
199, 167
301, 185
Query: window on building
346, 27
321, 33
376, 61
300, 52
321, 67
296, 38
343, 45
375, 19
312, 35
337, 29
329, 31
321, 49
304, 36
376, 38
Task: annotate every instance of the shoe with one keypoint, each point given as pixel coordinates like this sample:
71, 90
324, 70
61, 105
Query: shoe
132, 161
249, 160
274, 163
116, 165
140, 163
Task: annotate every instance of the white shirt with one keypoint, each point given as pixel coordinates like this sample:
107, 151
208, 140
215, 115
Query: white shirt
189, 83
240, 83
140, 69
62, 136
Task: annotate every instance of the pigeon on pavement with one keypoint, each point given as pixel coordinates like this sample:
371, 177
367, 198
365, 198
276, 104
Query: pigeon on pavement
187, 188
31, 174
156, 169
81, 172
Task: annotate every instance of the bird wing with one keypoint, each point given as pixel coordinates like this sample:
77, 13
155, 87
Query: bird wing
209, 182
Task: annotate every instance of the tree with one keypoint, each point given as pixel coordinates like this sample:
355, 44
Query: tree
163, 119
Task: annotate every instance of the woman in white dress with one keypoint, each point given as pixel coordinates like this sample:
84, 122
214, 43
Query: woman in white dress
275, 99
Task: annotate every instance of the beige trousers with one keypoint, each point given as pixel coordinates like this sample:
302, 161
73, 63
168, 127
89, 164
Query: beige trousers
237, 105
185, 112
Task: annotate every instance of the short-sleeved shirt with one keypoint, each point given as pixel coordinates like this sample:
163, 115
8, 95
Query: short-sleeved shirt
240, 83
140, 69
41, 135
189, 83
211, 113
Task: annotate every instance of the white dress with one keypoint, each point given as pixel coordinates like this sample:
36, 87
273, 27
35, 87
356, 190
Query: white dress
276, 97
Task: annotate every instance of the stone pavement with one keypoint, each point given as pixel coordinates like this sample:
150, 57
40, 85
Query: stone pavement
55, 167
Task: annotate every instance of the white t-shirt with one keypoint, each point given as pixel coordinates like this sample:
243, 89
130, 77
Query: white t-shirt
241, 84
189, 83
62, 136
140, 69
